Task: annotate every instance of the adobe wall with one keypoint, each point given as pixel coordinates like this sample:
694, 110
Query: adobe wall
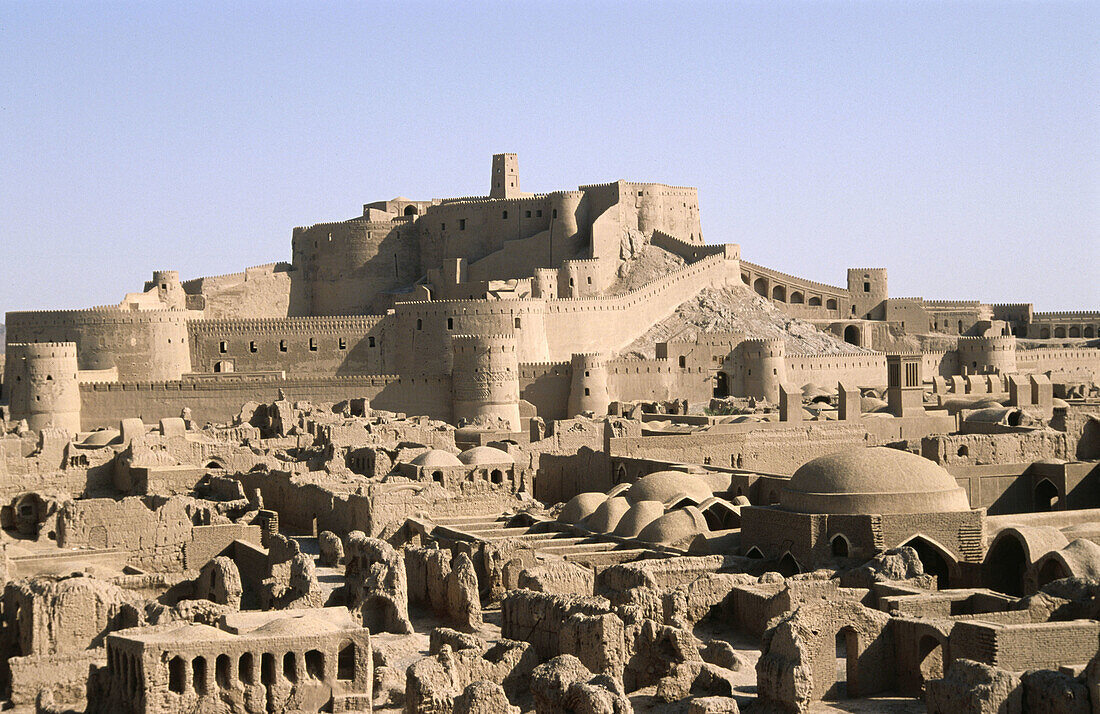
799, 296
1016, 448
146, 344
154, 531
1074, 364
546, 386
219, 400
299, 345
1056, 325
1018, 647
774, 448
343, 266
262, 291
864, 370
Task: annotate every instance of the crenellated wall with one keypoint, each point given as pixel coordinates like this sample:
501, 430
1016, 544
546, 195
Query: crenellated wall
298, 345
145, 344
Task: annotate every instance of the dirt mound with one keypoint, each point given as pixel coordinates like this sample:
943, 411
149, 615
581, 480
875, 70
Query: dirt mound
641, 263
738, 309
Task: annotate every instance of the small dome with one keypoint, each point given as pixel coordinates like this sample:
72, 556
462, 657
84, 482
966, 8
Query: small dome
872, 480
675, 527
485, 455
436, 457
663, 486
103, 437
640, 515
607, 515
580, 507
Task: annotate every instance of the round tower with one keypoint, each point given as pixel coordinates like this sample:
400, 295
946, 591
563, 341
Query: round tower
588, 389
991, 354
764, 368
568, 213
485, 378
544, 284
169, 289
43, 386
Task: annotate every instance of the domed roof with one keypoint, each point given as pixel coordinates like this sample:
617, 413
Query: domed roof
436, 457
640, 515
607, 515
103, 437
663, 486
675, 527
580, 507
872, 480
480, 455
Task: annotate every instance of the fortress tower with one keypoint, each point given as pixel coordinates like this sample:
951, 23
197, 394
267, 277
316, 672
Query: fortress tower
868, 289
985, 355
505, 176
588, 389
764, 365
485, 378
169, 289
43, 384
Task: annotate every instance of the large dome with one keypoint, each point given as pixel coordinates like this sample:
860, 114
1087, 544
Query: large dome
663, 486
873, 480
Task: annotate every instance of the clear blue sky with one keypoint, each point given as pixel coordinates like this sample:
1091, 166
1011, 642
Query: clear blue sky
956, 144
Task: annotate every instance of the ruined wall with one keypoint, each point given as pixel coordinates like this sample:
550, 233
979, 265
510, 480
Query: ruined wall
1016, 647
270, 290
219, 400
153, 530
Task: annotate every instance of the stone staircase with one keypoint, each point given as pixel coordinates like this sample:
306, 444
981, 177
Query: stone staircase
544, 537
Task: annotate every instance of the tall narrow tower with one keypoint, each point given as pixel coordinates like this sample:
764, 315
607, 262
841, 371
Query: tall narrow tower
505, 176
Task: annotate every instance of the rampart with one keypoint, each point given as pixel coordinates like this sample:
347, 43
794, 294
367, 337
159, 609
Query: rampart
145, 344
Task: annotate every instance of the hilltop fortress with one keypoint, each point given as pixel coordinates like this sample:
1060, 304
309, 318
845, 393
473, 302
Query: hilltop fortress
505, 306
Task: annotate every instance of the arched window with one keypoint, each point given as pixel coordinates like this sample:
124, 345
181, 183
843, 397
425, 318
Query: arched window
177, 675
290, 668
345, 663
761, 287
497, 476
1046, 496
933, 559
245, 672
411, 210
797, 298
437, 476
267, 668
315, 664
851, 335
221, 671
198, 674
779, 293
839, 546
830, 304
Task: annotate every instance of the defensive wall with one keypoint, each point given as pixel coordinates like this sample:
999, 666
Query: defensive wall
1047, 325
299, 345
800, 297
344, 266
271, 290
220, 400
1078, 364
145, 344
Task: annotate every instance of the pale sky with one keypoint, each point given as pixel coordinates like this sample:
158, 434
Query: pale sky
956, 144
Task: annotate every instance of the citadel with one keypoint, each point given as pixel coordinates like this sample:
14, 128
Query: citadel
547, 453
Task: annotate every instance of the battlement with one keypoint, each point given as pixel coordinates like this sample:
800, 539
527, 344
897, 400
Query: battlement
40, 350
822, 287
103, 315
323, 324
1071, 315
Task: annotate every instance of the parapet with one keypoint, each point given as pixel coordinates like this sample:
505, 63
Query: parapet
42, 350
767, 347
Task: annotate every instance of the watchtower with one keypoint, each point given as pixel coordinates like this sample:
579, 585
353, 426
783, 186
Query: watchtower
764, 365
485, 378
588, 389
989, 354
869, 292
44, 388
505, 176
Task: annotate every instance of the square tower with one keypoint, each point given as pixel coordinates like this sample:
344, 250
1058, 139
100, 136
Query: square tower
505, 176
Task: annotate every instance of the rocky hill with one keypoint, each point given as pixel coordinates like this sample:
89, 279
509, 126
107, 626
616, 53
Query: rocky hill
738, 309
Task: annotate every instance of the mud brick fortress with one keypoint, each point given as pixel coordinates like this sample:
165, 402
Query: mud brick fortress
546, 453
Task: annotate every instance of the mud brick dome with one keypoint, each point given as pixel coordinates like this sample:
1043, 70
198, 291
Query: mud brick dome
875, 480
